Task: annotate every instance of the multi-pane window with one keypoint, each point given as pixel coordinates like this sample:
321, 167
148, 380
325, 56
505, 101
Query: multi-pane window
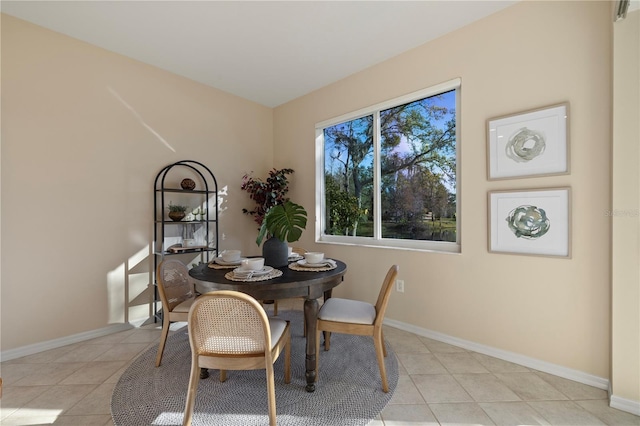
388, 173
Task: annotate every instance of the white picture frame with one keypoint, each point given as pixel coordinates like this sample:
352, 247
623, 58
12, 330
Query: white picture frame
530, 222
531, 143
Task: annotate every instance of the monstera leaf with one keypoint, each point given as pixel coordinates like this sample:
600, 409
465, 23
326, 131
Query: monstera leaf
284, 221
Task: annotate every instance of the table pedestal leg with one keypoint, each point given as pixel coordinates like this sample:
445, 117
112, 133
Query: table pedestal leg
311, 316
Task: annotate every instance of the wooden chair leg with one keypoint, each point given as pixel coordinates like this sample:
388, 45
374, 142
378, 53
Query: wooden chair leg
384, 347
287, 359
275, 306
327, 340
163, 338
223, 375
271, 391
194, 378
379, 344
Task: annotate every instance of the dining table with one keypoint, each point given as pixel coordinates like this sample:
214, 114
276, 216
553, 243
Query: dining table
306, 283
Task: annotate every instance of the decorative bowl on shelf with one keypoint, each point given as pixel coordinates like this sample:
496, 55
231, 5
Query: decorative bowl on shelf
188, 184
176, 216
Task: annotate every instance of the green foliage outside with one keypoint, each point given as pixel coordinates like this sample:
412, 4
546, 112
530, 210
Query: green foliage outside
343, 212
417, 172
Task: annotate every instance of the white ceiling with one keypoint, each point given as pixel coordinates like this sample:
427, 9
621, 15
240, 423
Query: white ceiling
267, 51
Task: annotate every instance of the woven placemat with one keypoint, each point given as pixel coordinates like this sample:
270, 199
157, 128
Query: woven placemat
274, 273
295, 267
214, 265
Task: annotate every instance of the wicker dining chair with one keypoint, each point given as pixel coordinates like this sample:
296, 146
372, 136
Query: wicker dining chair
359, 318
299, 250
229, 330
177, 294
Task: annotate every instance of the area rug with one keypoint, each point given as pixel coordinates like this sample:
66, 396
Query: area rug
349, 390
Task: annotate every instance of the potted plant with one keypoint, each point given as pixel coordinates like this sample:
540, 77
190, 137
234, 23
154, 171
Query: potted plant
176, 211
279, 218
285, 222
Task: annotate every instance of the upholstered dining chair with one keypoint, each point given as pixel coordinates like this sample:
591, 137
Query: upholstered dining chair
177, 294
357, 317
229, 330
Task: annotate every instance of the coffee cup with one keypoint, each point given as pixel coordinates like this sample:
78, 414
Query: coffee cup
252, 264
290, 251
231, 255
313, 256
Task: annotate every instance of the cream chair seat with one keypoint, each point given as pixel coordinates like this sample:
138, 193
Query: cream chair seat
356, 317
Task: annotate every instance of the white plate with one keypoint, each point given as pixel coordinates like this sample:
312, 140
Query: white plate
222, 262
243, 273
306, 264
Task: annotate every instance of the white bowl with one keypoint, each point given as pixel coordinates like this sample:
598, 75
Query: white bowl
188, 243
252, 264
231, 255
314, 257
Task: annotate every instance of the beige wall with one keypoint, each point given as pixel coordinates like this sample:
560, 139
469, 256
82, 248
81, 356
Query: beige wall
530, 55
84, 133
625, 374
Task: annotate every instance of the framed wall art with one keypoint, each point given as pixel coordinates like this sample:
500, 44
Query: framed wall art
534, 222
532, 143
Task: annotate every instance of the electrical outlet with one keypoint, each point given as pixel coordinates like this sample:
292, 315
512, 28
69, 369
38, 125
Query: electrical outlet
400, 286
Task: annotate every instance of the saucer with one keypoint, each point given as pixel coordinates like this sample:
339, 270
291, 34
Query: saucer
304, 263
222, 262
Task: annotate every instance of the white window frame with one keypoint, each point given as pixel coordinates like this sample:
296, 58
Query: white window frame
377, 240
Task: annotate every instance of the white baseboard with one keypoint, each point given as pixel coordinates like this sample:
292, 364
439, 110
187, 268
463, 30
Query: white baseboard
623, 404
556, 370
63, 341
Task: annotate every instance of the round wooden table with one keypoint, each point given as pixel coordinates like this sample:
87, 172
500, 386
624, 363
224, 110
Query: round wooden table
309, 285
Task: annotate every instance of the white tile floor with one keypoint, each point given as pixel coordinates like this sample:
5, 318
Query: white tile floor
439, 384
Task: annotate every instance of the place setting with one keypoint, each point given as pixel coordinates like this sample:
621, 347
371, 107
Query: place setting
228, 259
313, 261
253, 269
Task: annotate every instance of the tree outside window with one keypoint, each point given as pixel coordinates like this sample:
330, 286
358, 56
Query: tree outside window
413, 156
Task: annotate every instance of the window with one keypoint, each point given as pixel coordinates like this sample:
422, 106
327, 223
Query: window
387, 175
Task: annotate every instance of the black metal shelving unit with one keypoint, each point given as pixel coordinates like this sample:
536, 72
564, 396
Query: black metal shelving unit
168, 233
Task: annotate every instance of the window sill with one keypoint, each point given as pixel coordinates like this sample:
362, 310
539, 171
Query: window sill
391, 244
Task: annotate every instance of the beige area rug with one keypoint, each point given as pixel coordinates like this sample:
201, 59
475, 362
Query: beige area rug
349, 391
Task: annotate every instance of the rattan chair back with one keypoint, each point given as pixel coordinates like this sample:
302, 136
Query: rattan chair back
176, 294
385, 293
174, 284
229, 324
